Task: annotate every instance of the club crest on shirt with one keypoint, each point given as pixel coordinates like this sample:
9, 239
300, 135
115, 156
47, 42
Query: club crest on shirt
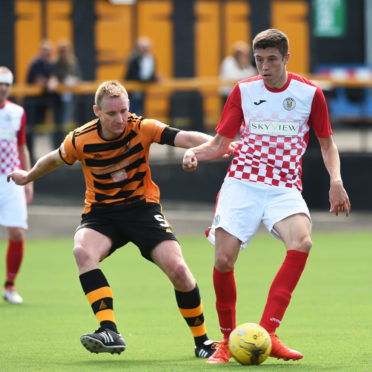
216, 219
289, 103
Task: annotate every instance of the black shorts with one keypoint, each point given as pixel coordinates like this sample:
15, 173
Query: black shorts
140, 223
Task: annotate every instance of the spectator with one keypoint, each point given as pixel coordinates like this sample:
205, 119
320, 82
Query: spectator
67, 71
141, 67
237, 66
13, 199
40, 73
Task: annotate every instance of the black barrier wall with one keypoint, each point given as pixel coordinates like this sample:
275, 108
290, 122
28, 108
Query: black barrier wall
65, 186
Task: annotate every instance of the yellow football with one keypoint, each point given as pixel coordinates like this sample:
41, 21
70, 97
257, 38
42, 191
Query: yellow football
249, 343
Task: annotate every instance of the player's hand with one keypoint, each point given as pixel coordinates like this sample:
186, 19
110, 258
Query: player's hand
339, 199
190, 162
20, 177
231, 149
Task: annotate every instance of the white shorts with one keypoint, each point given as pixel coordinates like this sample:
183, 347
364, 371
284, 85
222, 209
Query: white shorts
13, 208
242, 205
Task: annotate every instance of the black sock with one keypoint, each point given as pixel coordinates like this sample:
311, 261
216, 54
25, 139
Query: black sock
191, 308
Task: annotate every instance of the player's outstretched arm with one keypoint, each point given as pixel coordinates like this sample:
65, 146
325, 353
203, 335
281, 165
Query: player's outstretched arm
217, 147
187, 139
338, 198
44, 165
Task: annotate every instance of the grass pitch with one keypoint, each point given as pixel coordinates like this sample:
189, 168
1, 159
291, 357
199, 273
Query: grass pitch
328, 320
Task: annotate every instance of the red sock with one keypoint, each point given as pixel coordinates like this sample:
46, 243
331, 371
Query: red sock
281, 289
13, 260
225, 288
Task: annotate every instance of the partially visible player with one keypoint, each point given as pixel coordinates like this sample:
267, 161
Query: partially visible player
121, 206
14, 155
274, 112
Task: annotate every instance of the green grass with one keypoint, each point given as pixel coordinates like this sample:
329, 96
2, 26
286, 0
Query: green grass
329, 318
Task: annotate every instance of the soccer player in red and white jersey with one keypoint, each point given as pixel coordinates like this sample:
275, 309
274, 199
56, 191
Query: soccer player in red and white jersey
274, 112
13, 198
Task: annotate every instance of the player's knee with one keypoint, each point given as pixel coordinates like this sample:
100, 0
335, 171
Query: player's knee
181, 277
16, 234
223, 262
304, 244
81, 255
307, 244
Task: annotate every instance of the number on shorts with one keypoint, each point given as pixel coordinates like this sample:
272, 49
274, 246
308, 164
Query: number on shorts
161, 219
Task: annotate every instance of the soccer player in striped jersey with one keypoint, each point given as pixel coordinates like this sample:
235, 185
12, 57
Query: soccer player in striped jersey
121, 206
274, 112
14, 155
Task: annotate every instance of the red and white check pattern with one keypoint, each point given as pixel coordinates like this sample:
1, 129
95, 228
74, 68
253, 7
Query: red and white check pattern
12, 121
274, 126
272, 160
9, 159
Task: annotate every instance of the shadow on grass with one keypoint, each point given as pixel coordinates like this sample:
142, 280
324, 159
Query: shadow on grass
183, 364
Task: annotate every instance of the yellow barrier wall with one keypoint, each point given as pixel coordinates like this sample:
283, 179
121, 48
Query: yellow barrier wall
290, 17
217, 26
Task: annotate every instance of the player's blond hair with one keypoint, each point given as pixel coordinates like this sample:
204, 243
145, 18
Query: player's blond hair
110, 88
271, 38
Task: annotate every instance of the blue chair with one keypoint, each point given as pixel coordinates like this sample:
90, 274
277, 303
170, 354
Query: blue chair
341, 107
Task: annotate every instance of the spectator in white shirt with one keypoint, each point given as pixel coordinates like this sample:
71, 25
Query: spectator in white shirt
237, 66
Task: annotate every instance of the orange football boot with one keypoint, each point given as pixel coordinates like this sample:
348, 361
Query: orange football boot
221, 355
280, 351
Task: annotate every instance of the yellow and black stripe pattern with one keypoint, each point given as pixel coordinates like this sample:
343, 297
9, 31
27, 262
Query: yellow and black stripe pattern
195, 320
115, 171
100, 297
101, 300
191, 308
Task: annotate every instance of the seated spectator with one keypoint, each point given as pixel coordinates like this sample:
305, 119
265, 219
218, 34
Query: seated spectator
141, 67
237, 66
66, 69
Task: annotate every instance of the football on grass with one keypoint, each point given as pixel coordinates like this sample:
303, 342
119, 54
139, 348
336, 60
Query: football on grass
249, 343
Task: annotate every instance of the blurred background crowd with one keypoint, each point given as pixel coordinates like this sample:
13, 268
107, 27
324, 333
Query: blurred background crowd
179, 59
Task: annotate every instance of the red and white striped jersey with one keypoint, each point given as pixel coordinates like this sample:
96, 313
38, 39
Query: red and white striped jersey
12, 134
274, 128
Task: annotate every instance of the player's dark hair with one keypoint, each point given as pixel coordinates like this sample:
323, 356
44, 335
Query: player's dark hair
271, 38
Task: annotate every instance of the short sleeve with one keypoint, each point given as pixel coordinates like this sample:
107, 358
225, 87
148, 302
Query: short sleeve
67, 150
319, 116
232, 115
151, 130
21, 135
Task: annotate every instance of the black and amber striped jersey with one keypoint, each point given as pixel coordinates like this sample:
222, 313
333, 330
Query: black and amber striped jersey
116, 171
